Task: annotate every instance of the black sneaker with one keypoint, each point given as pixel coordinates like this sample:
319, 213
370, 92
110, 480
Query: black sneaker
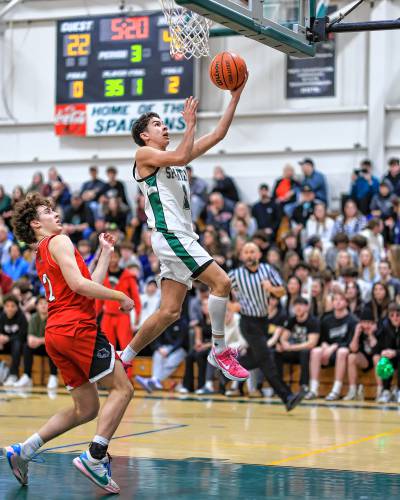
294, 399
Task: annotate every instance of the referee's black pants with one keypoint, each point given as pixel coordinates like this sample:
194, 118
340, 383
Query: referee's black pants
258, 355
295, 357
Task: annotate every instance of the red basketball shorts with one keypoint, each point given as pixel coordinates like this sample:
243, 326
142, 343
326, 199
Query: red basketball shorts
87, 356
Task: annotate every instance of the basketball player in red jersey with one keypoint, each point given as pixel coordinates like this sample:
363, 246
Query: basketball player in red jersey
82, 354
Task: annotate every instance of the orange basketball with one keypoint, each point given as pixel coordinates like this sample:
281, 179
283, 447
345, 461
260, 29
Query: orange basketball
227, 71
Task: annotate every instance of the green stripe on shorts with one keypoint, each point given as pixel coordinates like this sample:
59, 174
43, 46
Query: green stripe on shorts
156, 204
181, 252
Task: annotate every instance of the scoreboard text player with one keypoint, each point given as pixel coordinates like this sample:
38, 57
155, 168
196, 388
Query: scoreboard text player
110, 69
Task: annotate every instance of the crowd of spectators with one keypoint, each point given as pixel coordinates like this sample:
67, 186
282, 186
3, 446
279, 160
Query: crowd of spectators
341, 271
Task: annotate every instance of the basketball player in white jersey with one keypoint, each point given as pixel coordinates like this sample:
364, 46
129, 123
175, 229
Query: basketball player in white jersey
163, 180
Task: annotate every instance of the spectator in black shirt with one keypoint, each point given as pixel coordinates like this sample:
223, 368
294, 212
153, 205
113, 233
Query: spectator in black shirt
266, 212
225, 185
169, 351
219, 212
78, 219
336, 333
304, 209
276, 320
381, 205
117, 213
90, 189
13, 331
299, 336
389, 347
362, 349
393, 175
113, 187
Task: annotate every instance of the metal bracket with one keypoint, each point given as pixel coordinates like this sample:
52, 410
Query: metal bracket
321, 28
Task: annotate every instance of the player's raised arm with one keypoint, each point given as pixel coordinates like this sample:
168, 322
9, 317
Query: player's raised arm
208, 141
62, 251
155, 139
107, 243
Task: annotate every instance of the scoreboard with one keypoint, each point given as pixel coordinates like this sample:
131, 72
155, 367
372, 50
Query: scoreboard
111, 69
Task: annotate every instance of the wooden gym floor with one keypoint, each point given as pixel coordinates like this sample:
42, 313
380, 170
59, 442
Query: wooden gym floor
210, 447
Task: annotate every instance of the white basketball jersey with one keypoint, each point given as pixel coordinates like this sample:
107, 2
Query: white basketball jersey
167, 200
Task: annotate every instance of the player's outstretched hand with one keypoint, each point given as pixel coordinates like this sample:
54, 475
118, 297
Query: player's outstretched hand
126, 304
189, 112
237, 92
107, 242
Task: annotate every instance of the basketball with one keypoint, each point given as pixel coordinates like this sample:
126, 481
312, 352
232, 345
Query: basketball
227, 71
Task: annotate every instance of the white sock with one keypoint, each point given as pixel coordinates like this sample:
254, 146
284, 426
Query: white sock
128, 354
101, 440
209, 385
217, 310
314, 386
234, 385
31, 446
352, 389
337, 387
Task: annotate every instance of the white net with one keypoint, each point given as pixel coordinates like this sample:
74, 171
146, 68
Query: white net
189, 31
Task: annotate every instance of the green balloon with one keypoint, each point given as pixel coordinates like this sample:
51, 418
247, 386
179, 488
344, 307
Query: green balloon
384, 368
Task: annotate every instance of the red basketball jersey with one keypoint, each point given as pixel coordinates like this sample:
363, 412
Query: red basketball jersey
67, 309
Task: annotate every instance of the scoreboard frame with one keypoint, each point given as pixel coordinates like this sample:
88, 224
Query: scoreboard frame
113, 67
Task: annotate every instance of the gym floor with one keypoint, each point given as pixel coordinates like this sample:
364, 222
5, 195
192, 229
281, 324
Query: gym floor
208, 447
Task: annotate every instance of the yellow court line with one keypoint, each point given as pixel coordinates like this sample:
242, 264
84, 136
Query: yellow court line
334, 447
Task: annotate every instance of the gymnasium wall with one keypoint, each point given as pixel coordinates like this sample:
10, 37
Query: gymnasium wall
363, 119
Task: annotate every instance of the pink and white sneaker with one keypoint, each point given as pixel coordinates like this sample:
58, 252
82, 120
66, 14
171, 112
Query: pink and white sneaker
226, 361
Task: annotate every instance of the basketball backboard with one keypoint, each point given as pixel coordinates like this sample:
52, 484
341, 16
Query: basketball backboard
280, 24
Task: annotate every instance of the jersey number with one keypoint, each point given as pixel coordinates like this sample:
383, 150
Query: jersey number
46, 281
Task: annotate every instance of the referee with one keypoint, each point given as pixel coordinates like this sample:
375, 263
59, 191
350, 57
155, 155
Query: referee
252, 283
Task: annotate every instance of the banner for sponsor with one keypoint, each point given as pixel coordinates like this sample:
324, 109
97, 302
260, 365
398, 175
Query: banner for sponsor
70, 119
114, 119
118, 118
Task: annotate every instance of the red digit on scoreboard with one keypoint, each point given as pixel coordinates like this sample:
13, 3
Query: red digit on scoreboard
130, 28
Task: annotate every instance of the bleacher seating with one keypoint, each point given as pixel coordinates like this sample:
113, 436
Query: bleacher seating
142, 366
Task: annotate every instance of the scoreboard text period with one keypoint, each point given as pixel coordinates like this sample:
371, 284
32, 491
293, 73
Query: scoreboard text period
114, 63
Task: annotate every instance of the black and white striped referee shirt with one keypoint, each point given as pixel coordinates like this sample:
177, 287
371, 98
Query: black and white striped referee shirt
253, 299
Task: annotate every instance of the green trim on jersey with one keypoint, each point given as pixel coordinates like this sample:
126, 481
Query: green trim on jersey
181, 252
156, 205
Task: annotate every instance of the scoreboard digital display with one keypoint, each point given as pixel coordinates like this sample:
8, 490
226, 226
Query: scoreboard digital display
110, 69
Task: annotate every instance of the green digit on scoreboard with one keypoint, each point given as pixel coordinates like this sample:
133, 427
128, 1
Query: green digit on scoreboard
136, 53
114, 87
137, 86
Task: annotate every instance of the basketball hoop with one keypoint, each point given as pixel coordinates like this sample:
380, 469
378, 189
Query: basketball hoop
189, 31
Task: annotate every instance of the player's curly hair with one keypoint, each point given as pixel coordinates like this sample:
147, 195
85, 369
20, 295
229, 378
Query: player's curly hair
140, 126
25, 212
